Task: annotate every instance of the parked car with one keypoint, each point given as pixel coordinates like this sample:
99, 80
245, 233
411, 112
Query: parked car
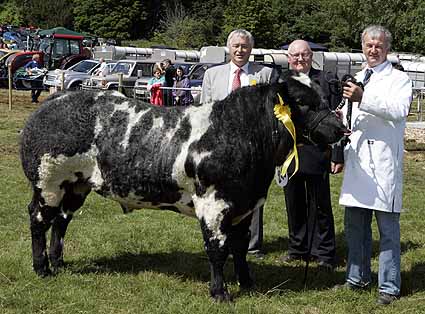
131, 70
140, 86
75, 75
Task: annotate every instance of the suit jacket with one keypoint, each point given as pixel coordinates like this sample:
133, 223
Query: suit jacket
216, 80
315, 159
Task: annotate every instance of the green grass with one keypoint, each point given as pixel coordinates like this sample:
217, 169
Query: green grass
153, 262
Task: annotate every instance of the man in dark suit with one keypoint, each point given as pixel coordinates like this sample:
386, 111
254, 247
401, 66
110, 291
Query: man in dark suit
220, 81
307, 194
169, 75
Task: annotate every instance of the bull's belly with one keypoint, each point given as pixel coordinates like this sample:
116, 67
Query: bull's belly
134, 202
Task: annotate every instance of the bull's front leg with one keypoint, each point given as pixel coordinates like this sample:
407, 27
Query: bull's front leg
217, 251
239, 242
39, 224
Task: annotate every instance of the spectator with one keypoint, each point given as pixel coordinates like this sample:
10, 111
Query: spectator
102, 70
34, 64
220, 81
155, 84
307, 193
169, 74
373, 175
182, 97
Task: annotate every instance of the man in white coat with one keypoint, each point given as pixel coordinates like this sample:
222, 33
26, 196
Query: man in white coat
373, 174
220, 81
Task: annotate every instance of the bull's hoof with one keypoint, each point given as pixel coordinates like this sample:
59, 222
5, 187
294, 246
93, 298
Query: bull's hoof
222, 297
57, 266
43, 272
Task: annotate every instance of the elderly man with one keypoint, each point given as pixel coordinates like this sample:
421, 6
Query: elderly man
307, 194
372, 182
220, 81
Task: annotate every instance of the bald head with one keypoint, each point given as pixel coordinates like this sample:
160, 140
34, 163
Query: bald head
300, 56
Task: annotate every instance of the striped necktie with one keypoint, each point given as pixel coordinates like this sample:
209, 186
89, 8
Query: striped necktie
367, 76
237, 79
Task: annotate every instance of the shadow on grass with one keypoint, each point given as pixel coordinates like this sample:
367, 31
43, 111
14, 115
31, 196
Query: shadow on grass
270, 276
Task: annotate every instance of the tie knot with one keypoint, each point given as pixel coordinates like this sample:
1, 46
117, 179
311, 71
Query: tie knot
367, 76
238, 71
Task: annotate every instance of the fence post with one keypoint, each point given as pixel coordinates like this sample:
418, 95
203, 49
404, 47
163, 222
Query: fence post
62, 80
9, 71
120, 76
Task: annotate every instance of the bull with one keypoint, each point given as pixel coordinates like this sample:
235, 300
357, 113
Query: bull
214, 162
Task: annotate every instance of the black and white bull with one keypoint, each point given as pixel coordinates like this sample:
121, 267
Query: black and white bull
214, 162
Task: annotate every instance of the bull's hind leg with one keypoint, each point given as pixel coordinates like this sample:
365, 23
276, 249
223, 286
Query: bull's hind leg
239, 242
75, 195
41, 216
217, 251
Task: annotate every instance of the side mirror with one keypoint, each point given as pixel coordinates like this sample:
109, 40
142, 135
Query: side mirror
139, 73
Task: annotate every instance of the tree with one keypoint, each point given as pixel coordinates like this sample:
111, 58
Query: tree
47, 14
110, 19
11, 13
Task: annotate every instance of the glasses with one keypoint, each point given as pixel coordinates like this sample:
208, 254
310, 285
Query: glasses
304, 55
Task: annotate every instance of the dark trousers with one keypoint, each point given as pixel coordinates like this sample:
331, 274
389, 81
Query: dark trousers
256, 230
309, 209
35, 93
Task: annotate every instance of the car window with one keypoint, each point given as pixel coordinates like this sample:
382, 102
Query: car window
145, 67
121, 67
84, 66
198, 73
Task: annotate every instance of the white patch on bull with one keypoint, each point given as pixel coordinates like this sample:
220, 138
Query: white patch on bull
302, 78
38, 217
62, 97
98, 127
198, 157
210, 209
133, 119
118, 94
99, 94
199, 118
157, 123
53, 171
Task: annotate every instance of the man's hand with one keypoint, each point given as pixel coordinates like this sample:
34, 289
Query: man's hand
353, 92
336, 167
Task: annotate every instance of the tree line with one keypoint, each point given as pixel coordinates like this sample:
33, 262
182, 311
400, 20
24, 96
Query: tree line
190, 24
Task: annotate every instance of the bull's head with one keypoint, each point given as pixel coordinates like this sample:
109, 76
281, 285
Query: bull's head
310, 112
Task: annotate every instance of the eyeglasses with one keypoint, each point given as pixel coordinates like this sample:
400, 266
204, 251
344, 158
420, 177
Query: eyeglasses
304, 55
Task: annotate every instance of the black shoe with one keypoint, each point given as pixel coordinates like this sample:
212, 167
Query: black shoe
349, 286
386, 298
326, 266
257, 254
288, 259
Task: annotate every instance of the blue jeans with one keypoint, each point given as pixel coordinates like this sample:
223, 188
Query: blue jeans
358, 233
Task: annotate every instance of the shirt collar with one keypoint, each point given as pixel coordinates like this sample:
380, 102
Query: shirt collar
234, 67
379, 68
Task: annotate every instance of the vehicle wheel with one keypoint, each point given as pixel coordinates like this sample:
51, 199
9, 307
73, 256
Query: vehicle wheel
26, 84
75, 86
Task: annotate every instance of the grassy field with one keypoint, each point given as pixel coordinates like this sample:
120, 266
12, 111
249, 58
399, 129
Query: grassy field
153, 262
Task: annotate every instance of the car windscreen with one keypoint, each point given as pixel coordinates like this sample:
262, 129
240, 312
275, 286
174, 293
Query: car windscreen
122, 67
84, 66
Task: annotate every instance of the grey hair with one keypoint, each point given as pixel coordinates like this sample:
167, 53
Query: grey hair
374, 31
241, 33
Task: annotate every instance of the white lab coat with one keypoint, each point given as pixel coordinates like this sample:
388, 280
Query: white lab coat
373, 175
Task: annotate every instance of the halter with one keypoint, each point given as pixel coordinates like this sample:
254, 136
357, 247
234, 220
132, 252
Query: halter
312, 125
